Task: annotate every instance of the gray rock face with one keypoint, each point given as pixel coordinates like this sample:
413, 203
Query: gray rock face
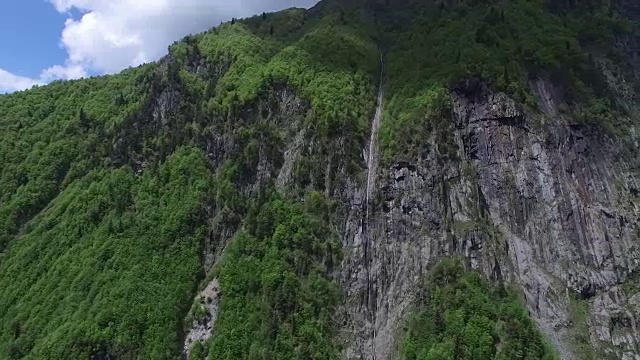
615, 321
532, 199
202, 329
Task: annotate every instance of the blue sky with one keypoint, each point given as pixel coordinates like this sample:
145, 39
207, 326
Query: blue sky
29, 35
45, 40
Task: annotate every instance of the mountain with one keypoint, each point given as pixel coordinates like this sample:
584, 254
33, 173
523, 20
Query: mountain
365, 179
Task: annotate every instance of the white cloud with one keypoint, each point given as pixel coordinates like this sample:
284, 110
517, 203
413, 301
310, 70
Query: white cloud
10, 82
66, 72
112, 35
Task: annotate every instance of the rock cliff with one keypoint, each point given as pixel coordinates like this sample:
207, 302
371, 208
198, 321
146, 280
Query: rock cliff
529, 197
533, 199
299, 175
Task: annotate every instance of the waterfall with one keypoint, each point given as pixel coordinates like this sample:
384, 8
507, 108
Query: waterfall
372, 169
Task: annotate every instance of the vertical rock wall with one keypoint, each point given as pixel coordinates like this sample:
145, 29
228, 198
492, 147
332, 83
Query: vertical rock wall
531, 199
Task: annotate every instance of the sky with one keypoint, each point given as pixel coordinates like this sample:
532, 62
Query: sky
46, 40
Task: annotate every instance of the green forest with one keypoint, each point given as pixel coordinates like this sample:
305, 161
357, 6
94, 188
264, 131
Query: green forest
461, 316
113, 188
280, 299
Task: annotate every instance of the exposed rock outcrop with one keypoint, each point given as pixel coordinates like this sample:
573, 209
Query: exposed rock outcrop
533, 199
202, 327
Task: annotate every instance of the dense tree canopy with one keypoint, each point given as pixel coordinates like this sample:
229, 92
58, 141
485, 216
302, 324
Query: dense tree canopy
111, 187
461, 316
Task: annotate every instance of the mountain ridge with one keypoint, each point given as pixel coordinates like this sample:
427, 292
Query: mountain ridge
508, 170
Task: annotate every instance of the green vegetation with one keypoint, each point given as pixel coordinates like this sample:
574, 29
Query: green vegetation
505, 43
113, 188
333, 66
404, 131
463, 317
103, 206
285, 27
108, 267
52, 135
278, 297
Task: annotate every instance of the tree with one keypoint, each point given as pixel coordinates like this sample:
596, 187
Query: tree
82, 117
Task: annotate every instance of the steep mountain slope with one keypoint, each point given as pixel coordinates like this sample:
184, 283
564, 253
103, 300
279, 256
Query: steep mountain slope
364, 179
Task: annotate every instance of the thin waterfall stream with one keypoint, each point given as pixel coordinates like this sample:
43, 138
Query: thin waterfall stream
372, 168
